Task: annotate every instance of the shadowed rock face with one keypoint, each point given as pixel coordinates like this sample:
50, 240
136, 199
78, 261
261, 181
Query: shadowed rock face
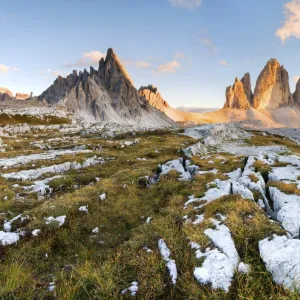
272, 87
237, 95
152, 95
247, 87
106, 94
296, 95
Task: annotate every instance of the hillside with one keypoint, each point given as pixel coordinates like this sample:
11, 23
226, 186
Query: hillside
86, 216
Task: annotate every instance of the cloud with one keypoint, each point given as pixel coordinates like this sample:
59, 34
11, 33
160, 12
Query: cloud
224, 63
187, 4
296, 78
208, 43
49, 72
291, 25
88, 58
139, 64
169, 67
5, 69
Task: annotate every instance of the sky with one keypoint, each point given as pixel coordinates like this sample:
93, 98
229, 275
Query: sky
190, 49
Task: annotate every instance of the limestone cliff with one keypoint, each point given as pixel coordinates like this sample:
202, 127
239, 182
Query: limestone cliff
272, 87
237, 96
153, 96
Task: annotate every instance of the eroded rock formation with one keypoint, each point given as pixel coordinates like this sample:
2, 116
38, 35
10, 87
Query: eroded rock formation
272, 87
153, 96
5, 94
106, 94
237, 95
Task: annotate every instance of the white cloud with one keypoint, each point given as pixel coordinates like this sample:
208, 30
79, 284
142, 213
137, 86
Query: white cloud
5, 69
208, 43
139, 64
291, 25
88, 59
49, 72
224, 63
296, 78
187, 4
169, 67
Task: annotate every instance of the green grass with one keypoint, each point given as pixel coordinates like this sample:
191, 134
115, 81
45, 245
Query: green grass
99, 266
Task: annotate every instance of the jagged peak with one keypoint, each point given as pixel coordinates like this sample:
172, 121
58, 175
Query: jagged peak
112, 58
150, 87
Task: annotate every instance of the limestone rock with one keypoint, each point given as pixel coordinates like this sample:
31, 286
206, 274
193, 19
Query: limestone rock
106, 94
236, 96
153, 96
297, 93
22, 96
247, 87
272, 87
5, 94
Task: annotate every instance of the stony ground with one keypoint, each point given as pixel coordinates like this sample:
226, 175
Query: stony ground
150, 215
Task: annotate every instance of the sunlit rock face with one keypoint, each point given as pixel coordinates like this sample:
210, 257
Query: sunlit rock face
5, 94
106, 94
272, 87
153, 96
237, 95
22, 96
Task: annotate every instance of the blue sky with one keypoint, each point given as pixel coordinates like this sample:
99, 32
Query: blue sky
190, 49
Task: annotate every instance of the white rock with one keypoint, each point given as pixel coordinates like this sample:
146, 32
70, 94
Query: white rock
282, 258
8, 238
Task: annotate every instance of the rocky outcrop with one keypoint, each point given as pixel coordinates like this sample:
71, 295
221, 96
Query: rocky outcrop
22, 96
272, 87
5, 94
106, 94
247, 87
237, 95
296, 95
153, 96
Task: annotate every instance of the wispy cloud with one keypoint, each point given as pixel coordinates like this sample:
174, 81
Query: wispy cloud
208, 43
187, 4
5, 69
139, 64
87, 59
291, 24
224, 63
52, 73
169, 67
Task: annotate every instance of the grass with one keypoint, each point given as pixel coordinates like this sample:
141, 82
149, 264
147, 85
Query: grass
6, 119
99, 266
287, 188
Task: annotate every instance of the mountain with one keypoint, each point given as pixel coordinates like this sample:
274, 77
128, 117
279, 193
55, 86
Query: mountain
151, 93
272, 88
238, 95
106, 94
6, 94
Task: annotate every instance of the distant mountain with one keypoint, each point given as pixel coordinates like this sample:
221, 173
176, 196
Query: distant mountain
106, 94
195, 109
272, 90
6, 94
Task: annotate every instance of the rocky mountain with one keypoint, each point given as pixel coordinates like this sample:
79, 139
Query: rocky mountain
22, 96
152, 95
239, 94
272, 88
106, 94
6, 94
296, 95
